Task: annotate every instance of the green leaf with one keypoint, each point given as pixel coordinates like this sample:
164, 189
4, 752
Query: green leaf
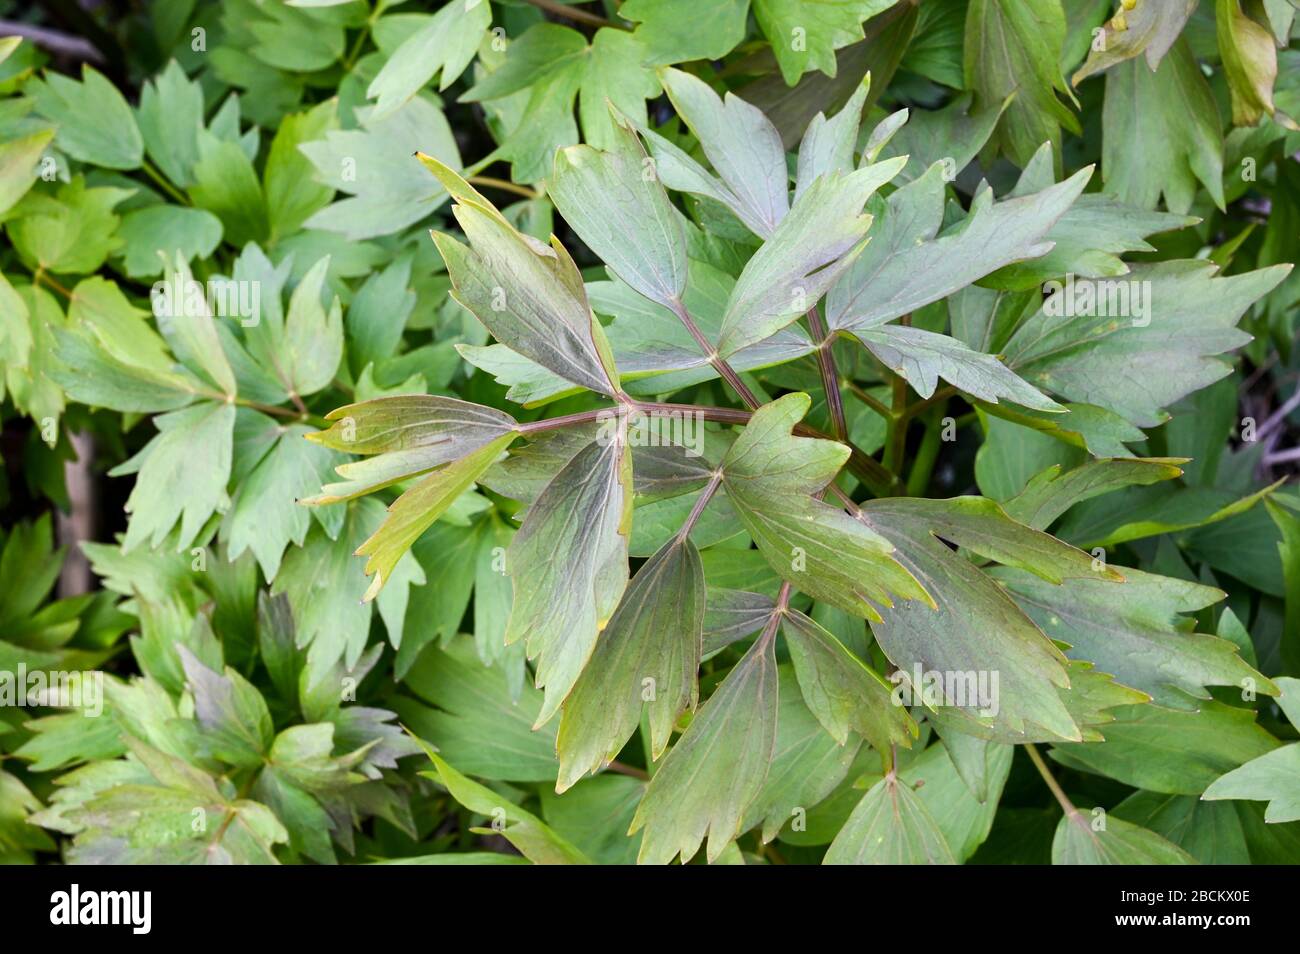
1148, 511
492, 597
265, 516
830, 145
545, 67
444, 45
99, 307
841, 691
542, 51
1012, 454
186, 321
890, 826
292, 194
73, 232
936, 50
1137, 365
19, 159
647, 656
615, 74
97, 377
807, 764
535, 840
182, 475
1118, 843
743, 146
976, 628
1169, 750
975, 760
792, 109
1149, 28
411, 434
304, 819
387, 188
806, 254
479, 720
806, 33
95, 124
935, 776
1088, 239
1288, 549
378, 315
1210, 833
135, 822
906, 267
716, 770
595, 816
1015, 46
29, 568
769, 476
325, 586
654, 350
923, 357
235, 722
418, 508
458, 858
615, 203
446, 553
1050, 493
1249, 62
298, 40
226, 184
303, 349
674, 31
1133, 632
527, 294
1273, 777
568, 564
952, 135
525, 473
166, 230
1203, 423
31, 324
1160, 132
171, 114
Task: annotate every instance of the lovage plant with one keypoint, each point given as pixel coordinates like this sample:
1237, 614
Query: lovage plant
974, 608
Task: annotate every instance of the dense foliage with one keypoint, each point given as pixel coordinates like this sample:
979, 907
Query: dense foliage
784, 431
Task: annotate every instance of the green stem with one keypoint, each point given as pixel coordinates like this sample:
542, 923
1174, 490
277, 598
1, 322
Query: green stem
41, 277
287, 413
830, 379
354, 54
154, 173
1052, 784
301, 417
573, 13
865, 397
698, 509
719, 363
864, 467
619, 767
918, 479
938, 397
491, 182
896, 442
778, 613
